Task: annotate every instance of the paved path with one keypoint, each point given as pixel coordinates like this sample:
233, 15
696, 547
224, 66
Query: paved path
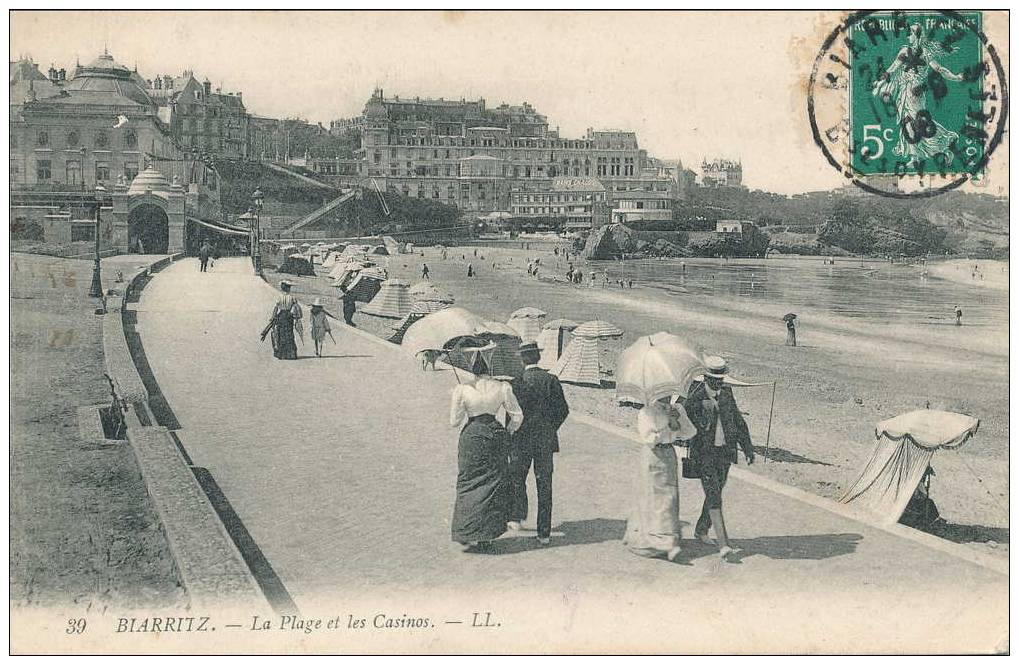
342, 469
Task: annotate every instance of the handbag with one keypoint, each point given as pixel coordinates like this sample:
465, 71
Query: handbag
691, 467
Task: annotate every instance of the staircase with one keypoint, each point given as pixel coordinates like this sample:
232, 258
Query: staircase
320, 212
295, 174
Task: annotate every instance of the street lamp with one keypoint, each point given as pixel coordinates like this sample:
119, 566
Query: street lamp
97, 281
256, 251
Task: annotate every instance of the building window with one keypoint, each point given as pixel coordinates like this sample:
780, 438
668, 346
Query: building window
73, 139
130, 170
43, 172
15, 170
73, 172
43, 138
102, 139
131, 139
102, 171
451, 192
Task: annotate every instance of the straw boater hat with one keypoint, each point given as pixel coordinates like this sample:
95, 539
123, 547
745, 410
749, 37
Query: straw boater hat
716, 366
286, 284
317, 302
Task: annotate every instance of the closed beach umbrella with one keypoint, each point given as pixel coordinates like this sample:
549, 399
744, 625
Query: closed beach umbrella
655, 366
341, 269
392, 300
597, 330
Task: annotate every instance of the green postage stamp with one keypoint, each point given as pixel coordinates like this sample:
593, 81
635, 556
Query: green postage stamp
908, 103
911, 92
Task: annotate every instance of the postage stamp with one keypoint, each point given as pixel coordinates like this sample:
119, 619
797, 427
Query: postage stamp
913, 98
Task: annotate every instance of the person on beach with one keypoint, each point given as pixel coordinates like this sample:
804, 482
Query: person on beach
349, 306
790, 330
284, 321
958, 315
653, 527
424, 272
721, 429
545, 409
470, 270
203, 256
480, 513
319, 321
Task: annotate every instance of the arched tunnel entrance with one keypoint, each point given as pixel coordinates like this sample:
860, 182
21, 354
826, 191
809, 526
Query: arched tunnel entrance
148, 230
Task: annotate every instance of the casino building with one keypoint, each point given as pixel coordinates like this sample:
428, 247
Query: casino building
93, 143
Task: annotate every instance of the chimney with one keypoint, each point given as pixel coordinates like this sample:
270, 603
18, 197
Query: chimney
240, 94
208, 88
53, 73
62, 74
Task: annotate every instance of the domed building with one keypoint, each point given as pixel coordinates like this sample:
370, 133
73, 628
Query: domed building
81, 141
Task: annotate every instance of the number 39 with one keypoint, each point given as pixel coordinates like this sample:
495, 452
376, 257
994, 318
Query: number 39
877, 136
76, 626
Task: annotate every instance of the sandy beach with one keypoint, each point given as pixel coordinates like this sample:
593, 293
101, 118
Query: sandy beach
989, 274
846, 375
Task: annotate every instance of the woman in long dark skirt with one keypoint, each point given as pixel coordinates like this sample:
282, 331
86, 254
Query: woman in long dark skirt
482, 483
285, 319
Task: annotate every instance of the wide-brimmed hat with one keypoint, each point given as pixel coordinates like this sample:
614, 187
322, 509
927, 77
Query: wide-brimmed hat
317, 302
286, 283
528, 347
716, 366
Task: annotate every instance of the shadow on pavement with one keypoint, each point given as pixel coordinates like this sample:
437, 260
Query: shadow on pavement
586, 531
800, 547
964, 533
781, 455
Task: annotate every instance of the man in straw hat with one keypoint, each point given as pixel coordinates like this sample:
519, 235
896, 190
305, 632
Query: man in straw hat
720, 430
284, 321
541, 397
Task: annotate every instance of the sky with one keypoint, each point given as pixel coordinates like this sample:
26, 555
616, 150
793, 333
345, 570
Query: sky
691, 84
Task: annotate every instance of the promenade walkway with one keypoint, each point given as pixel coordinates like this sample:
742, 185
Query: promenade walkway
342, 469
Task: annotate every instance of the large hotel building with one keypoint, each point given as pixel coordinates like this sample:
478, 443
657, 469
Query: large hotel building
505, 159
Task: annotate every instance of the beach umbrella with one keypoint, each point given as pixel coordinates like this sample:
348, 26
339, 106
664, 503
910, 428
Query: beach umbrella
528, 312
657, 365
341, 269
904, 449
560, 324
527, 323
597, 330
392, 300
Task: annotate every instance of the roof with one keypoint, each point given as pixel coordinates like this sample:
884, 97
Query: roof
104, 82
26, 77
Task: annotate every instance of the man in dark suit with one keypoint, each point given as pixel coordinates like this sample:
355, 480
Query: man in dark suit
720, 431
541, 398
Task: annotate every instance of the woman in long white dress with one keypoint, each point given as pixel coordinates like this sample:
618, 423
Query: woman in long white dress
482, 483
653, 528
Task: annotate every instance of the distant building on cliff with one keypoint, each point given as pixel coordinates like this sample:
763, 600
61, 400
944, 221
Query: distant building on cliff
721, 173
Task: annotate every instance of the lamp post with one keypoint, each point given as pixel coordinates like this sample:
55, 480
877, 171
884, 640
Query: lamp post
97, 281
256, 251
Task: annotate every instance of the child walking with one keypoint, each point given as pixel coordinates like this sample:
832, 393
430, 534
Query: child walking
319, 326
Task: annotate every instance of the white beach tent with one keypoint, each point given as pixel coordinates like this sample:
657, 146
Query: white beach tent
905, 446
553, 340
